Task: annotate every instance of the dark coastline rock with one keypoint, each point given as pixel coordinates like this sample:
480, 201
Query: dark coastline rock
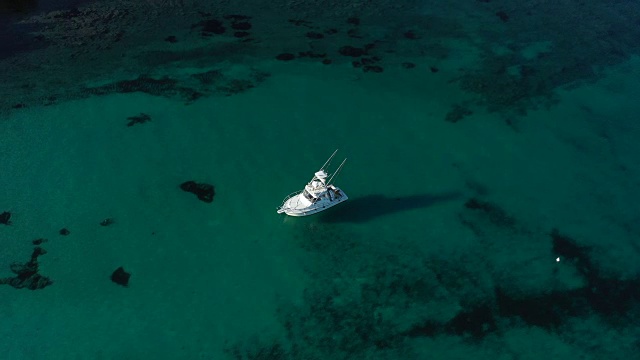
138, 119
5, 218
121, 277
204, 192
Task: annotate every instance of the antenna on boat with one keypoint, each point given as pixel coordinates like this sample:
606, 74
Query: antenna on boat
337, 171
328, 161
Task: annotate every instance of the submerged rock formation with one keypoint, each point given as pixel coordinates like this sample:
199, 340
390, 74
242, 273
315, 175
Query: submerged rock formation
204, 192
107, 222
5, 218
121, 277
27, 275
138, 119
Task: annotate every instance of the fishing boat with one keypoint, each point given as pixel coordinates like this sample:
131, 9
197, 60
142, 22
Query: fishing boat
318, 195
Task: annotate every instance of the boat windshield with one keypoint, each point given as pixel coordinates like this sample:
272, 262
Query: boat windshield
306, 194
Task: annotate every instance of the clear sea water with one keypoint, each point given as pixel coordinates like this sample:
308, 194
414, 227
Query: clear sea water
492, 173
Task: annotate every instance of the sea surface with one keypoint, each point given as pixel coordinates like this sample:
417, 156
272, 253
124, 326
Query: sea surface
492, 172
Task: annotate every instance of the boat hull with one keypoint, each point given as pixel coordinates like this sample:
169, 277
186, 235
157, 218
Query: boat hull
298, 206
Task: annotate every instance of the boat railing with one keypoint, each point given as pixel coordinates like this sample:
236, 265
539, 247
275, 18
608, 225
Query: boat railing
289, 197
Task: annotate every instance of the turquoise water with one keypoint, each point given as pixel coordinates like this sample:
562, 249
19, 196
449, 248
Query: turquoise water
491, 171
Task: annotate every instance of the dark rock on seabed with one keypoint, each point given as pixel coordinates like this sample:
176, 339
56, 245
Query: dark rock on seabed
408, 65
503, 16
314, 35
138, 119
241, 34
237, 17
353, 21
353, 33
211, 26
121, 277
285, 57
457, 113
39, 241
411, 35
241, 25
373, 68
494, 213
351, 51
5, 218
209, 77
204, 192
27, 275
311, 54
107, 222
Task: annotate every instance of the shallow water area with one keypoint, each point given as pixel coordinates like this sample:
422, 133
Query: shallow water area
492, 181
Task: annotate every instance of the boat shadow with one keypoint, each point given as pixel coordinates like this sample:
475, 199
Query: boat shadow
369, 207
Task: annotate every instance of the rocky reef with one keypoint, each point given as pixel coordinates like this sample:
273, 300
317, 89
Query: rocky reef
203, 191
5, 218
138, 119
27, 275
121, 277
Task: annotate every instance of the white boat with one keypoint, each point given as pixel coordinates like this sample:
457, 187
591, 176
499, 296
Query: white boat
318, 195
